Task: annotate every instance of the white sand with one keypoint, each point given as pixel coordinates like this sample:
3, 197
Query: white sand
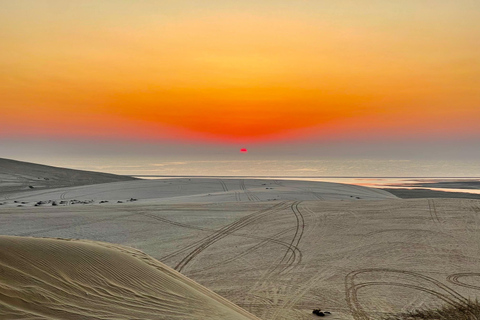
59, 279
18, 176
279, 259
196, 190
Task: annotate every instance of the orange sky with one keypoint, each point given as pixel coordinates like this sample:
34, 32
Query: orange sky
230, 71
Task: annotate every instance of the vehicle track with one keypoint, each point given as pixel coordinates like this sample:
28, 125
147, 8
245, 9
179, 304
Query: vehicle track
317, 220
299, 230
475, 208
297, 295
272, 239
433, 211
224, 232
315, 194
178, 224
351, 288
72, 225
250, 195
224, 185
79, 188
51, 191
453, 278
294, 256
264, 240
24, 183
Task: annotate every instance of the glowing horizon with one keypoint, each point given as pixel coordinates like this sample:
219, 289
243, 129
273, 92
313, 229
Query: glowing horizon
229, 72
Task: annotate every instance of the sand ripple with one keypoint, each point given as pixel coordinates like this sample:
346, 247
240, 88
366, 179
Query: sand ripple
61, 279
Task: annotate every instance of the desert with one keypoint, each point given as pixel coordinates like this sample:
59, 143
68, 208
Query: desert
274, 160
267, 249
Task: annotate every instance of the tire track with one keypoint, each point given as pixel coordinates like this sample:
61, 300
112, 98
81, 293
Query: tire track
224, 185
454, 279
351, 289
264, 240
433, 211
278, 183
250, 195
34, 194
297, 237
297, 295
224, 232
178, 224
475, 208
293, 253
272, 239
315, 194
24, 183
72, 225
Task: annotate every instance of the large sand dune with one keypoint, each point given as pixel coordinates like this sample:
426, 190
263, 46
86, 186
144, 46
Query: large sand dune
18, 176
59, 279
196, 190
277, 249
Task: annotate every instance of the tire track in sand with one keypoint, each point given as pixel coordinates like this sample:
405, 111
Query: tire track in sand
433, 211
446, 294
226, 231
454, 278
294, 259
264, 240
249, 194
224, 185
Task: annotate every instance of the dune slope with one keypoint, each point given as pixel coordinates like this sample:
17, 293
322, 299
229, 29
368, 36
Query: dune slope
59, 279
18, 176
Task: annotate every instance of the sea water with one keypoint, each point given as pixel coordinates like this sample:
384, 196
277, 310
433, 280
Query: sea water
366, 172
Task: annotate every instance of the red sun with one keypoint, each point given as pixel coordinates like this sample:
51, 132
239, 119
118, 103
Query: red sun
243, 150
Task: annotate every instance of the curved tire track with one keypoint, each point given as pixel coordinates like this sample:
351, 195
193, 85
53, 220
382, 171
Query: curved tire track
449, 295
250, 195
453, 278
224, 232
297, 237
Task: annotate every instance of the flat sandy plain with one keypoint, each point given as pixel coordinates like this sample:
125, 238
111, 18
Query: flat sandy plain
277, 249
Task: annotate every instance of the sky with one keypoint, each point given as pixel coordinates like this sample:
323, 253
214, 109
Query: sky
380, 78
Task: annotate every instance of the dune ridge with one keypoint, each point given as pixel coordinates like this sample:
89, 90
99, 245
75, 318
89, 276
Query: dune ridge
45, 278
16, 176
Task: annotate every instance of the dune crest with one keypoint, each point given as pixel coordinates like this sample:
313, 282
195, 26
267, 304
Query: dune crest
44, 278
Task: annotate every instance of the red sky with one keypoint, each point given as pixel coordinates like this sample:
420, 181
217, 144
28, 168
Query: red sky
240, 72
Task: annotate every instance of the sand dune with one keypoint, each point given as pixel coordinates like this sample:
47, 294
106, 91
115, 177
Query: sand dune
279, 260
59, 279
18, 176
196, 190
275, 248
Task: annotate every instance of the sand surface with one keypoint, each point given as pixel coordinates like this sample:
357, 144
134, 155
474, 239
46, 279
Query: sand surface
60, 279
415, 193
195, 190
18, 176
279, 259
277, 249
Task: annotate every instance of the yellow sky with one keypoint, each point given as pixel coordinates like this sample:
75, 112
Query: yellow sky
231, 70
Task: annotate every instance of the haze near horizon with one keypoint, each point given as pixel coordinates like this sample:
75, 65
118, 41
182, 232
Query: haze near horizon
376, 79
